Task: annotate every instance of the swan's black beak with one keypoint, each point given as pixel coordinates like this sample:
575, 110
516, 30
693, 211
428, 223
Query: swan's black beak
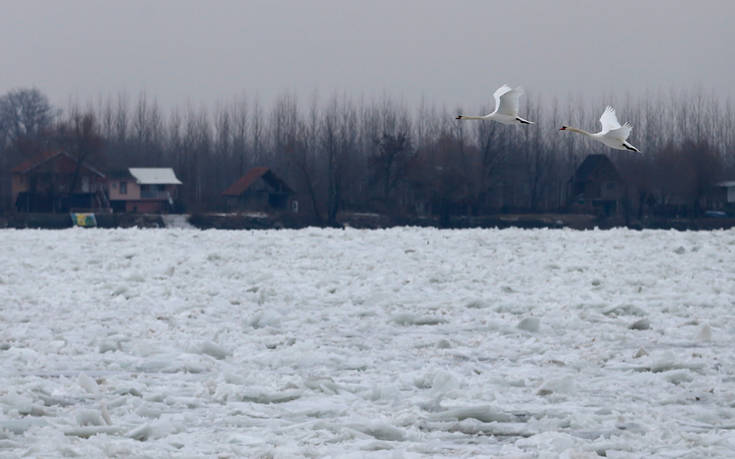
563, 128
459, 117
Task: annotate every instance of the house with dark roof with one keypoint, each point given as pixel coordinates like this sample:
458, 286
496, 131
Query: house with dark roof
56, 181
143, 189
260, 190
597, 187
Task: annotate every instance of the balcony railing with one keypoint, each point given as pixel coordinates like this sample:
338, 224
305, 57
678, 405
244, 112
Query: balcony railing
154, 194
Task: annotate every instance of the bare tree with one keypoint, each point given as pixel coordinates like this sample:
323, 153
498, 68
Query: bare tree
392, 151
239, 111
174, 140
492, 150
80, 137
303, 155
194, 156
224, 168
147, 132
390, 162
24, 115
258, 132
538, 161
121, 118
329, 143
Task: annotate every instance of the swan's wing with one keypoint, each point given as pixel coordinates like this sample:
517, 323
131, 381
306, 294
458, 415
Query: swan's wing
620, 133
499, 93
608, 120
506, 100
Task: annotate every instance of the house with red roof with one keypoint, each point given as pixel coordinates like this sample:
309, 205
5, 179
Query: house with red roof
56, 181
260, 190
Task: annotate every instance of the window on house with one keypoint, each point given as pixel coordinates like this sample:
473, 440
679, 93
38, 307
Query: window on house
123, 187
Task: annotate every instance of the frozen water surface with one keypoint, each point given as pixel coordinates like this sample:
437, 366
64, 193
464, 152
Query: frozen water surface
395, 343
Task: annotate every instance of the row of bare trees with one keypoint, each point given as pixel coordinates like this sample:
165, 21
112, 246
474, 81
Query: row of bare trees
381, 155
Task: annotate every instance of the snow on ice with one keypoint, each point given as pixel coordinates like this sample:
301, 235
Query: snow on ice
392, 343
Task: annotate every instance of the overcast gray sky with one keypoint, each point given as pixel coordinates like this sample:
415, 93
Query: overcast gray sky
450, 53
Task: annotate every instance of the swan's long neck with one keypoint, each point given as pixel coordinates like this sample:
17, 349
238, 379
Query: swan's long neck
579, 131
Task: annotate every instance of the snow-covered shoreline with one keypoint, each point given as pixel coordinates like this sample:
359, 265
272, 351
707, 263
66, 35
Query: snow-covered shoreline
159, 343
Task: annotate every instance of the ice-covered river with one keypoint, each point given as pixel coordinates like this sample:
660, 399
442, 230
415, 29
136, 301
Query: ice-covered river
398, 343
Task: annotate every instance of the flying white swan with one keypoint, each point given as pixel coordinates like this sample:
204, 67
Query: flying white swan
506, 107
612, 134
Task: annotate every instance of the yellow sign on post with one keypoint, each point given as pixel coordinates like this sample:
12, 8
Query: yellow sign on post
86, 220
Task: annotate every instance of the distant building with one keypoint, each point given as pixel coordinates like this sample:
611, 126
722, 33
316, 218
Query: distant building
143, 189
55, 181
722, 196
260, 190
597, 187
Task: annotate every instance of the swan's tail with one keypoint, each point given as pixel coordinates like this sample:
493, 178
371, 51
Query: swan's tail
522, 121
630, 147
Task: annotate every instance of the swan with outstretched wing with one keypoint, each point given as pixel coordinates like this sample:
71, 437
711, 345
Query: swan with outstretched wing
506, 107
612, 134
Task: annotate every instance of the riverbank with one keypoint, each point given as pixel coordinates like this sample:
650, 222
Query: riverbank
250, 221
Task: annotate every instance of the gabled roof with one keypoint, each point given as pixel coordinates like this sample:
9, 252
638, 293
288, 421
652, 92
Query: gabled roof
154, 176
119, 174
37, 160
244, 182
32, 163
594, 163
